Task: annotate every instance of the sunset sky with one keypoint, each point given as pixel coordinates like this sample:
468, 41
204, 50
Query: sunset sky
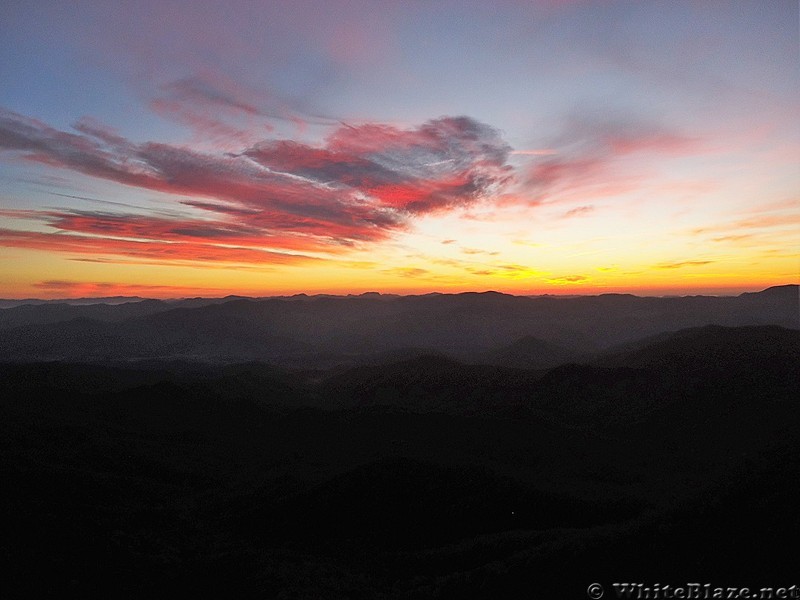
170, 149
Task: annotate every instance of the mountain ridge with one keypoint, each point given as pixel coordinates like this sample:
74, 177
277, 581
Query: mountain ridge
329, 330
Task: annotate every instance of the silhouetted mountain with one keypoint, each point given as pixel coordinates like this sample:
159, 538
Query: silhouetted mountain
10, 303
416, 504
778, 291
713, 347
627, 385
430, 383
43, 314
675, 457
325, 330
529, 353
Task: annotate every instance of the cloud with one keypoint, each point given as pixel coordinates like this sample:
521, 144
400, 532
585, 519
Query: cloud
201, 90
217, 108
442, 164
733, 237
772, 225
407, 272
755, 222
150, 251
362, 185
578, 211
69, 288
567, 279
590, 158
536, 152
509, 271
475, 251
685, 263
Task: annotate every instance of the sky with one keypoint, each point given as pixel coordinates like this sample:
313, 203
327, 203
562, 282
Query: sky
172, 149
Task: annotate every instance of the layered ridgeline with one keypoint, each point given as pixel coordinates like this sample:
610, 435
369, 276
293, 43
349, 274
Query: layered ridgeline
671, 459
464, 446
321, 331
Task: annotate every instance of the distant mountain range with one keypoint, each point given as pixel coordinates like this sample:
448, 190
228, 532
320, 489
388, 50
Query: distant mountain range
325, 331
672, 457
620, 383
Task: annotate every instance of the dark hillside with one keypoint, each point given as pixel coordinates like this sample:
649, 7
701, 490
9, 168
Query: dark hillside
672, 459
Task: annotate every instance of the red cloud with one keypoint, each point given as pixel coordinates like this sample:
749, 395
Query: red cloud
444, 163
365, 183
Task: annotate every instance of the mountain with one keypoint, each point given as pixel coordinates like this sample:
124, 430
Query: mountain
529, 353
323, 331
428, 384
728, 349
11, 303
674, 457
708, 363
52, 312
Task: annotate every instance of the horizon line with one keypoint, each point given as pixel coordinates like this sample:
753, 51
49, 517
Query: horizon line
136, 298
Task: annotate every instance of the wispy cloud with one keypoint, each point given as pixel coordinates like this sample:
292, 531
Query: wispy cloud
536, 152
753, 223
411, 272
589, 155
217, 108
478, 251
685, 263
150, 250
578, 211
70, 288
363, 184
568, 279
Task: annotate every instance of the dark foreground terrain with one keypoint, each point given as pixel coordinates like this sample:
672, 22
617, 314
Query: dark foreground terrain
670, 459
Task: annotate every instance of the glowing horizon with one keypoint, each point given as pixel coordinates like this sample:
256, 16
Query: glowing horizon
546, 148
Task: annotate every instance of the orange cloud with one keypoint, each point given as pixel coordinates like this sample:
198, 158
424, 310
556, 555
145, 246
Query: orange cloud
568, 279
159, 251
91, 289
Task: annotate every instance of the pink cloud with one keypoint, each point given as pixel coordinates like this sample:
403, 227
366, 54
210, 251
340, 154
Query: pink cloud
363, 184
216, 108
593, 159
